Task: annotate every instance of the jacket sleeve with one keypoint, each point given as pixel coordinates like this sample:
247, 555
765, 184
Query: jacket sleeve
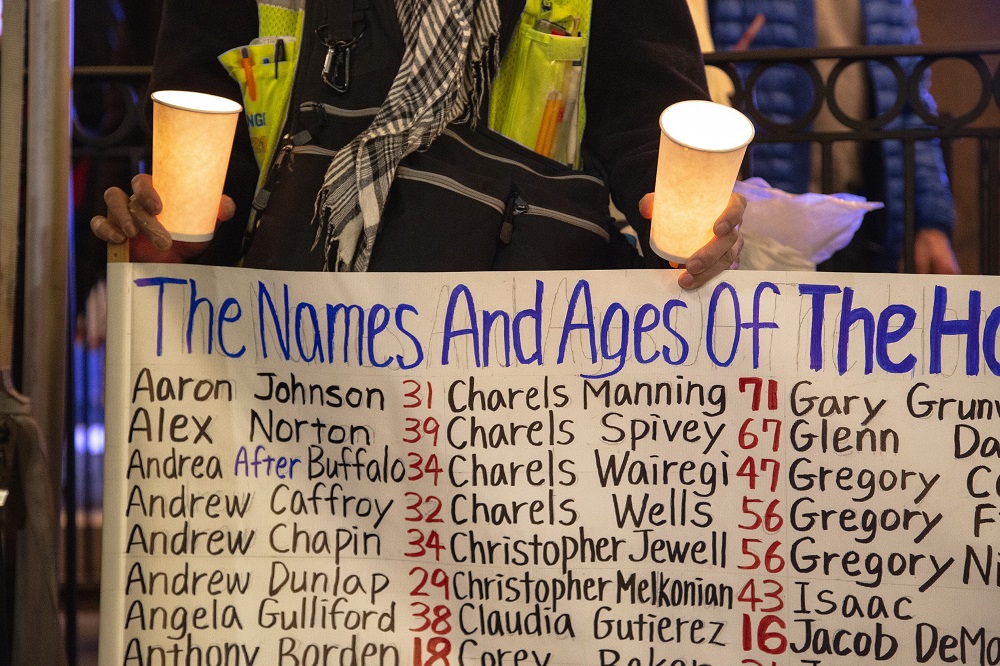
643, 56
192, 36
935, 207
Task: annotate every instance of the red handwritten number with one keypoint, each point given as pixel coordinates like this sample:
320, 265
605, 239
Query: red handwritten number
439, 624
437, 578
438, 649
753, 555
767, 641
424, 615
748, 470
765, 595
422, 544
748, 439
416, 395
436, 618
418, 428
777, 432
773, 562
748, 595
420, 468
417, 514
756, 383
771, 520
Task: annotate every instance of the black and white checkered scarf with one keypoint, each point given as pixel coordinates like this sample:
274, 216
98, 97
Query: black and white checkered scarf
450, 51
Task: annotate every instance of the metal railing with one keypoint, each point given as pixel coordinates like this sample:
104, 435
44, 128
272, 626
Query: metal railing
746, 68
118, 130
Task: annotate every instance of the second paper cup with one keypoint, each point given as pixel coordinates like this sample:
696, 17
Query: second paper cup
192, 140
701, 148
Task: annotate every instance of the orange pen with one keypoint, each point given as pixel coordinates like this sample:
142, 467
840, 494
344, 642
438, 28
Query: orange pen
247, 63
550, 117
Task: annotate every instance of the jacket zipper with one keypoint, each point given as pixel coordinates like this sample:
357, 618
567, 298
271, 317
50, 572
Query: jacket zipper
337, 111
450, 184
515, 204
288, 144
263, 194
331, 110
586, 225
568, 176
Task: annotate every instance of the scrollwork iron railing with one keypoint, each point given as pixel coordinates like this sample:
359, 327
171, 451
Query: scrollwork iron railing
107, 114
746, 68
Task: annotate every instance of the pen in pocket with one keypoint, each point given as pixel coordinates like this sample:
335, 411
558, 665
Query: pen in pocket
572, 112
547, 128
279, 54
551, 28
247, 63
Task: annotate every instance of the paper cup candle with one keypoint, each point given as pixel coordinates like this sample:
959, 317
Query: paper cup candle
192, 139
701, 148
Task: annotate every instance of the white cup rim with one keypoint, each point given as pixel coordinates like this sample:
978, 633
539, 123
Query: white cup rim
705, 111
187, 100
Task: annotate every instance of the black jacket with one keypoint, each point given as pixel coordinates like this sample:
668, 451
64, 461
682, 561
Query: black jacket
642, 57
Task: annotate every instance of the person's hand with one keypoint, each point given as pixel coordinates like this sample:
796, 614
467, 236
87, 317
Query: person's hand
134, 218
720, 253
932, 253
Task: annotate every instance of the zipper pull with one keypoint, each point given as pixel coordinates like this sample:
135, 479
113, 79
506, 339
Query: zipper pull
263, 195
289, 141
298, 139
516, 205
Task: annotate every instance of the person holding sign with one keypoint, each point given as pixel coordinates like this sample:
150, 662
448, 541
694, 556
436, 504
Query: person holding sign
386, 163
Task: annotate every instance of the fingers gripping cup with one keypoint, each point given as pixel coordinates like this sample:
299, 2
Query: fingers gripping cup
701, 148
192, 139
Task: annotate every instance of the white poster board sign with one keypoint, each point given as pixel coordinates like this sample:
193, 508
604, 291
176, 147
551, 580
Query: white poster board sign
564, 468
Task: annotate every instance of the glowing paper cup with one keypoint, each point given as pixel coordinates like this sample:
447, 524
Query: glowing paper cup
192, 139
701, 148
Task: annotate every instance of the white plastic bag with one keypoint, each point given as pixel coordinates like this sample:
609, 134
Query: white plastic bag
785, 231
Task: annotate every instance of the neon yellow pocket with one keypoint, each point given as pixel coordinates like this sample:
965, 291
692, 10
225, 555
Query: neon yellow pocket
264, 69
537, 97
543, 93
